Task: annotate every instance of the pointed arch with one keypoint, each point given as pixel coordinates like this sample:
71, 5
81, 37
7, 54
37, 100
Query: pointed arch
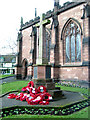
68, 21
71, 36
24, 68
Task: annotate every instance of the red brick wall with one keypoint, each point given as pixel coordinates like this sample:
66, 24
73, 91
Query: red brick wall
41, 72
26, 43
78, 73
74, 73
85, 46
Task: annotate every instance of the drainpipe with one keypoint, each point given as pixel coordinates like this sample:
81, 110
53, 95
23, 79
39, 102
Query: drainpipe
87, 8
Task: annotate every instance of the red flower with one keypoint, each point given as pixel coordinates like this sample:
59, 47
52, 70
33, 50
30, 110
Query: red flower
19, 95
31, 84
11, 96
44, 102
35, 100
30, 97
33, 91
28, 87
46, 96
23, 97
24, 89
41, 89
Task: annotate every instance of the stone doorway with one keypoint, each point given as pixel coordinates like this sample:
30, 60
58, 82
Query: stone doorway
24, 69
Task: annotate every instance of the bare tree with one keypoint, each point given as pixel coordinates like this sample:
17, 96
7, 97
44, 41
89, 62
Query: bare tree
10, 47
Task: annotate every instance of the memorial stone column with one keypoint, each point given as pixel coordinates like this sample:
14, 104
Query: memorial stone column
42, 71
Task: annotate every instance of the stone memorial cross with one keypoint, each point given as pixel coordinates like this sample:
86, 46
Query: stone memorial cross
41, 40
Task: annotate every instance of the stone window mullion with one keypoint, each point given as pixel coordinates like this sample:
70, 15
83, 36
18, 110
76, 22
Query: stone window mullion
75, 47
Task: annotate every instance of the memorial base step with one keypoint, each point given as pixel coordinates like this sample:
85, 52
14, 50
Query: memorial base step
49, 86
56, 94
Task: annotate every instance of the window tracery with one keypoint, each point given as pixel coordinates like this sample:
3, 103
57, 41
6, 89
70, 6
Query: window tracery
72, 43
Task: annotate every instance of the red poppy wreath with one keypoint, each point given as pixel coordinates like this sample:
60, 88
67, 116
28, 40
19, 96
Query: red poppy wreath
11, 96
28, 87
34, 96
31, 84
41, 89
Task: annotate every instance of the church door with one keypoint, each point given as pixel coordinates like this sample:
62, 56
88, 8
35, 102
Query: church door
24, 69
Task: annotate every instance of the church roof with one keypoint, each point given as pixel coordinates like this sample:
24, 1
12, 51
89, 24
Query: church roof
66, 6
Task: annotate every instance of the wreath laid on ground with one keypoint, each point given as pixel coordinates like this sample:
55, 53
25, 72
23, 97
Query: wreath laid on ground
34, 96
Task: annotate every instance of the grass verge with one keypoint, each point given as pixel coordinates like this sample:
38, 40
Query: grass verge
83, 91
17, 85
3, 76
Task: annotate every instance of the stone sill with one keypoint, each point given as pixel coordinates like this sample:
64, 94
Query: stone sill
73, 65
35, 65
79, 64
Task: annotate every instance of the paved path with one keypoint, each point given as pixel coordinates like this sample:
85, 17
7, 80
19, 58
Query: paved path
9, 79
70, 97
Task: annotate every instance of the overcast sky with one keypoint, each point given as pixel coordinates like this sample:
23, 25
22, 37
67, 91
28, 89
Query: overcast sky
11, 12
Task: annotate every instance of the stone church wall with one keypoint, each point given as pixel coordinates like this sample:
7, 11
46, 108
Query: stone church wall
62, 71
77, 71
26, 43
74, 73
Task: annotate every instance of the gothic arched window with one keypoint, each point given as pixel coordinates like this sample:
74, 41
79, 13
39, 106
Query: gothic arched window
72, 43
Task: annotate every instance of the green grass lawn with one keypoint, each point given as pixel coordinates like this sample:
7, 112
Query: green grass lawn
17, 85
74, 89
81, 114
3, 76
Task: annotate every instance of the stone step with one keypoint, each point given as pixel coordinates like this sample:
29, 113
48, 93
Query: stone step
49, 86
56, 94
57, 88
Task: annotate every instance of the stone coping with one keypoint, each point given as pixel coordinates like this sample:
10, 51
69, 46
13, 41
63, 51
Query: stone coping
60, 10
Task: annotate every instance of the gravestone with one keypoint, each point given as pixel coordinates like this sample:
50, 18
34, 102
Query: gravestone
42, 71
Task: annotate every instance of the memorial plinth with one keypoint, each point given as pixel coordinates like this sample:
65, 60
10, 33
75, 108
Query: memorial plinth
42, 76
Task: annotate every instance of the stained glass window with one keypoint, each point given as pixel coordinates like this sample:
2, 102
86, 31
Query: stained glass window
78, 47
67, 49
72, 48
72, 43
